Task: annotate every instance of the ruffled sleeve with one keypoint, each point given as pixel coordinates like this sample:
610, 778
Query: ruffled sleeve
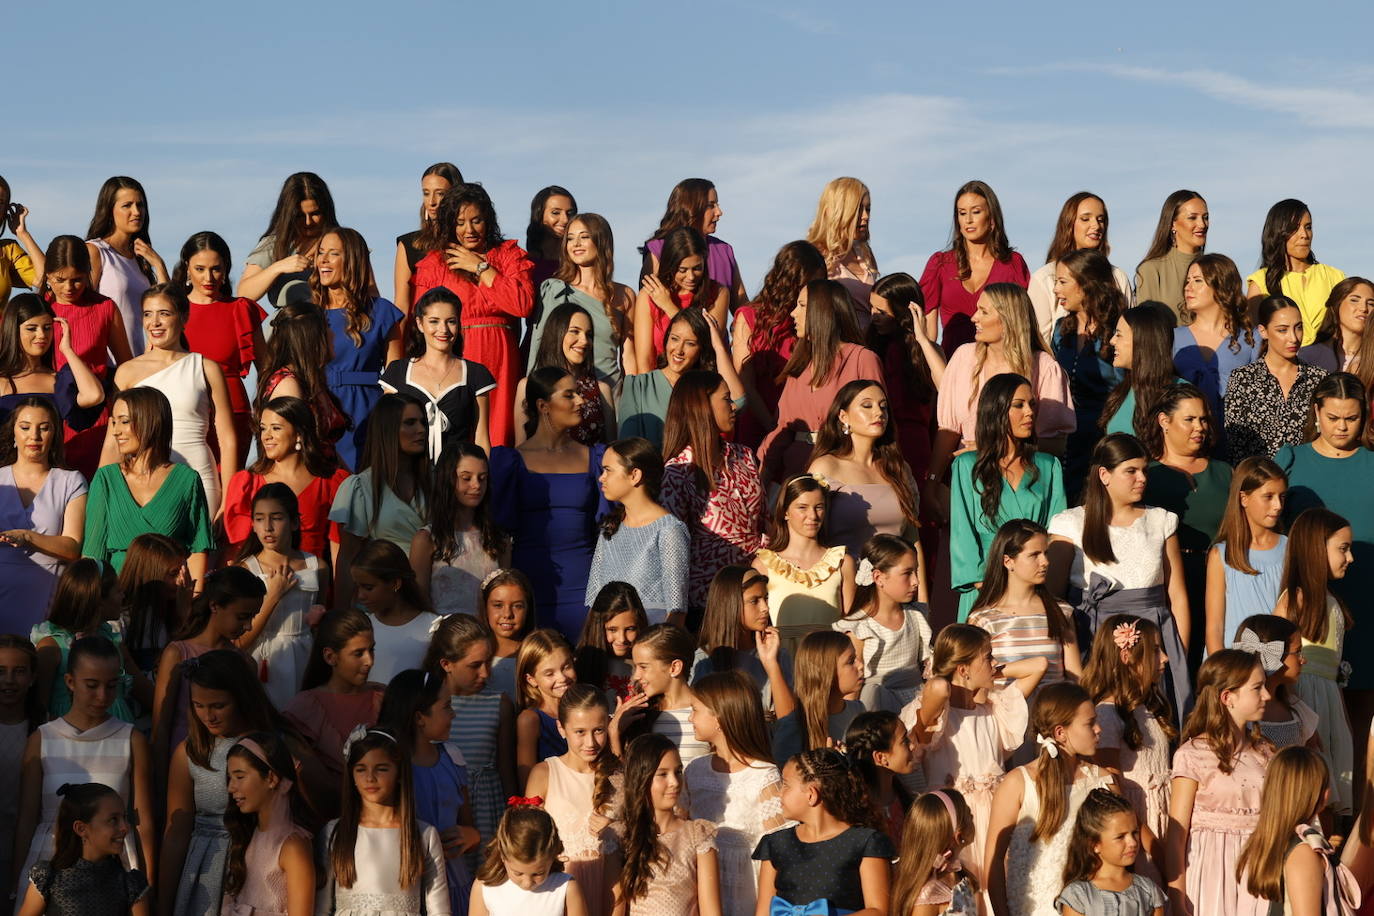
702, 836
238, 506
512, 293
1307, 720
1012, 715
352, 506
135, 887
938, 732
248, 317
810, 578
329, 488
507, 474
1079, 896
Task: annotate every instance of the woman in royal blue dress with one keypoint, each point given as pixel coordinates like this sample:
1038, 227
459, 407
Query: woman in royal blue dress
545, 493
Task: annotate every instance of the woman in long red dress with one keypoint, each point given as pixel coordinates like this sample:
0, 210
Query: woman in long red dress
222, 327
492, 278
97, 334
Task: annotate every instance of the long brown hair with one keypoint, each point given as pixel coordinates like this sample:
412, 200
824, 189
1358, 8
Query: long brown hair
1010, 541
829, 323
794, 266
102, 220
678, 245
687, 204
585, 696
929, 836
1103, 301
534, 648
1063, 243
1163, 240
814, 670
734, 700
356, 282
780, 536
690, 421
1295, 783
603, 270
341, 854
444, 506
721, 629
1307, 573
1223, 278
284, 226
992, 428
1282, 220
645, 853
450, 173
298, 413
13, 360
1210, 721
901, 291
997, 242
1110, 453
302, 344
1055, 706
241, 826
887, 456
1234, 533
1329, 331
382, 454
1132, 683
1152, 365
9, 453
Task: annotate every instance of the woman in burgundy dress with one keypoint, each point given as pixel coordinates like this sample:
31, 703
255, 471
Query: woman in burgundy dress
492, 278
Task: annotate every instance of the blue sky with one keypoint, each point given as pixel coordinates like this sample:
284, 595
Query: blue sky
212, 106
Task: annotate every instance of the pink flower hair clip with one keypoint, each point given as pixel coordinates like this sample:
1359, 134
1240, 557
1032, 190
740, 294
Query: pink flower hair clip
1126, 635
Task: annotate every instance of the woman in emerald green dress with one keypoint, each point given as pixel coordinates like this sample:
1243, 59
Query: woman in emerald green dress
990, 488
145, 491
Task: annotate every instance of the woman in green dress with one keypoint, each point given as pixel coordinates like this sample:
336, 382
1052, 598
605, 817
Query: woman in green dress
1143, 349
989, 488
145, 491
1184, 478
1333, 468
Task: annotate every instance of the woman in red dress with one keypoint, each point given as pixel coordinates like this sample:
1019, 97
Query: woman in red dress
492, 278
97, 334
222, 327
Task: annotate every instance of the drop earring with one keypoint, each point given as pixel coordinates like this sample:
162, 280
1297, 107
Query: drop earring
844, 428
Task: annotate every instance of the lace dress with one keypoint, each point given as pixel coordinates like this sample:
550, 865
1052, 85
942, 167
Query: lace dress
202, 875
1035, 868
587, 837
455, 584
1146, 772
744, 806
673, 890
377, 891
85, 888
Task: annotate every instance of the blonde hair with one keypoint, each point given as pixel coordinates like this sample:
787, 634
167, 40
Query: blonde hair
534, 648
1021, 338
525, 834
1294, 785
1210, 720
928, 836
814, 670
834, 231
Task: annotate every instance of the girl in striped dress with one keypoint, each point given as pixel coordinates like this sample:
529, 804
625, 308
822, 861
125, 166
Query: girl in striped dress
1016, 609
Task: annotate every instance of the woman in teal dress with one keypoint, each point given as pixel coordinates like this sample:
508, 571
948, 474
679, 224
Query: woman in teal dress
1143, 349
145, 492
987, 490
1334, 469
1184, 478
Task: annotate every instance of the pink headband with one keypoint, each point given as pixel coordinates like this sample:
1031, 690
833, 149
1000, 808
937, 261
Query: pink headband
949, 807
252, 747
942, 862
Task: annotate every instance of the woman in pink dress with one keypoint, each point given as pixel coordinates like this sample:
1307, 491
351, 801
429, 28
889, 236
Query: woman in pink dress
223, 328
762, 337
827, 356
978, 255
123, 262
492, 278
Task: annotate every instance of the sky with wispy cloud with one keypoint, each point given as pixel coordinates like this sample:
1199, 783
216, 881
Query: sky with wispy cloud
212, 106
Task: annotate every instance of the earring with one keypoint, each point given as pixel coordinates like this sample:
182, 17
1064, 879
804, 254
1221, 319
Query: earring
844, 428
299, 447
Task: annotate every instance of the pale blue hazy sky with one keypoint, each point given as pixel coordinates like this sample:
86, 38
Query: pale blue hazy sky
212, 105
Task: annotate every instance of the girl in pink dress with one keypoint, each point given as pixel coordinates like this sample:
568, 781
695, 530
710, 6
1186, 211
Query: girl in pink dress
964, 728
1218, 776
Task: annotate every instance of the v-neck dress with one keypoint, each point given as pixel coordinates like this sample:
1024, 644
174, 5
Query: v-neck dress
27, 577
971, 533
114, 518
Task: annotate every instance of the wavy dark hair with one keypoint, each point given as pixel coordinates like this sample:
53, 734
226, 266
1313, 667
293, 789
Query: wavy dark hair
1280, 223
204, 240
1110, 452
1101, 805
687, 205
1011, 539
240, 826
695, 319
550, 351
102, 220
536, 233
429, 227
1210, 721
997, 239
1063, 243
356, 281
993, 430
301, 343
1152, 364
228, 671
839, 785
383, 457
415, 339
901, 291
298, 413
460, 196
13, 360
223, 586
830, 322
283, 495
636, 454
444, 506
1170, 399
678, 245
794, 266
691, 422
1103, 300
9, 453
1163, 240
1329, 332
1223, 278
1132, 683
645, 853
284, 228
887, 455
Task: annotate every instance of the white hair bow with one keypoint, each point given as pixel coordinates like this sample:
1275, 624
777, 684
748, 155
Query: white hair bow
864, 575
1049, 744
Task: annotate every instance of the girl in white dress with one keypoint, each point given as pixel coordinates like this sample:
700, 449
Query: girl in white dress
461, 547
384, 585
379, 858
735, 787
279, 636
523, 875
195, 388
1035, 807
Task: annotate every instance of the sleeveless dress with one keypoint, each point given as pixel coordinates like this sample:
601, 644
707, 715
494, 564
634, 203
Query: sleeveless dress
92, 323
548, 899
283, 648
123, 282
1035, 868
183, 382
264, 883
568, 800
60, 700
100, 754
857, 511
1318, 688
455, 584
475, 721
744, 806
801, 601
440, 791
202, 876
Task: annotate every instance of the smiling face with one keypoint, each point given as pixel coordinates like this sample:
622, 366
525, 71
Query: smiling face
1263, 506
1125, 483
470, 228
1299, 244
507, 607
558, 209
705, 723
553, 675
1197, 295
161, 323
683, 347
867, 414
653, 675
1119, 843
1283, 333
666, 785
580, 246
273, 524
1246, 703
988, 327
103, 835
1032, 564
563, 409
1089, 224
1339, 422
16, 676
711, 217
122, 429
435, 722
353, 663
376, 777
1068, 294
432, 191
1190, 225
35, 336
577, 339
1123, 344
806, 514
587, 732
972, 216
216, 711
205, 273
621, 632
468, 674
67, 284
329, 261
1185, 430
34, 433
276, 435
470, 479
439, 325
248, 787
1339, 553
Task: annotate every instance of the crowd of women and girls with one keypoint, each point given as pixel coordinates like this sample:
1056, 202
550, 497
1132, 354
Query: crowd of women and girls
527, 591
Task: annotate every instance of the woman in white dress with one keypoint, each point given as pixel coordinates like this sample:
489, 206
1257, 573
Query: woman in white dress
194, 386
